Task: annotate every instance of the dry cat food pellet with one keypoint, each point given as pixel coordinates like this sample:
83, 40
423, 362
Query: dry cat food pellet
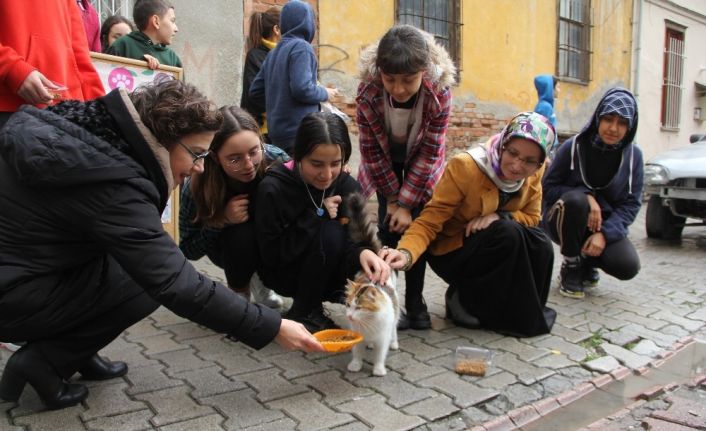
472, 367
339, 339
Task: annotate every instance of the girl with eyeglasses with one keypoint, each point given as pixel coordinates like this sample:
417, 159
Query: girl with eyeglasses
304, 244
216, 213
480, 232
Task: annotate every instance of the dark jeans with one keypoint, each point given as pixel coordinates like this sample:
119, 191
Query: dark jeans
4, 116
567, 226
414, 277
320, 274
236, 252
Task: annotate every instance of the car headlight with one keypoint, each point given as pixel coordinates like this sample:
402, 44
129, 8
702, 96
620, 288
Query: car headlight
656, 175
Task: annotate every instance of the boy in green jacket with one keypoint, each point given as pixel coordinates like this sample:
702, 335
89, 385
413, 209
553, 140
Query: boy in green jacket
156, 22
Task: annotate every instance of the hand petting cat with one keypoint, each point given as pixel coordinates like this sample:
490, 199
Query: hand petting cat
376, 269
331, 204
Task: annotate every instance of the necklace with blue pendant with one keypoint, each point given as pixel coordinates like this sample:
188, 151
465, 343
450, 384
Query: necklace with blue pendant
319, 208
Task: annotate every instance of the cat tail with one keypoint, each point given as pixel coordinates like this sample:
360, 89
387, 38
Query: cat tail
362, 228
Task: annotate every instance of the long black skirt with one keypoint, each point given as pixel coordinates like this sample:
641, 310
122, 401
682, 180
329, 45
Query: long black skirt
502, 275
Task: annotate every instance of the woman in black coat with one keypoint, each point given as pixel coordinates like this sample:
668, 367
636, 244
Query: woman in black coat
83, 254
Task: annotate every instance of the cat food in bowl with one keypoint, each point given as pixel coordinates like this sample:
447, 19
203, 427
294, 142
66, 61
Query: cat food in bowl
473, 361
338, 340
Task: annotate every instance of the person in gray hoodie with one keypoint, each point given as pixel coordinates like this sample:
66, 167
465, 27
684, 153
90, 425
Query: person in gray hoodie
286, 86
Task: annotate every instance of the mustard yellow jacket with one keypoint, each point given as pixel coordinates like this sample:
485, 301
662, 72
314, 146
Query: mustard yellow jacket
463, 193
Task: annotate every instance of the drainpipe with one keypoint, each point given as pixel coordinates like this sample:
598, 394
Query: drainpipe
637, 16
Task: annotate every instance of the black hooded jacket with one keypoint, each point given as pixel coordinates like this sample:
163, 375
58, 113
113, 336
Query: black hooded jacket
75, 208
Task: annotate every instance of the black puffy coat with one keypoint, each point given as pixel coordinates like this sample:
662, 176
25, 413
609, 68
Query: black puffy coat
77, 213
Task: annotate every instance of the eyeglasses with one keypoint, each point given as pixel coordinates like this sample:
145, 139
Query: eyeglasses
514, 155
237, 162
196, 157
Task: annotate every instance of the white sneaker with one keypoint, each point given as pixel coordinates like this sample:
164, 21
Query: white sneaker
263, 295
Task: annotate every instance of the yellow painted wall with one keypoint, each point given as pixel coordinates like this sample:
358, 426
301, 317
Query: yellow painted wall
505, 43
349, 26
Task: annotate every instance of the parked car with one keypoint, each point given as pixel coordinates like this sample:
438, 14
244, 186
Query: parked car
675, 185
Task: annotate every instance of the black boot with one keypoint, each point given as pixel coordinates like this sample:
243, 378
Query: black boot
570, 278
98, 368
28, 366
456, 313
416, 317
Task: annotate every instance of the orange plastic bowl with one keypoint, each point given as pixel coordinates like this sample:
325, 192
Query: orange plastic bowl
338, 340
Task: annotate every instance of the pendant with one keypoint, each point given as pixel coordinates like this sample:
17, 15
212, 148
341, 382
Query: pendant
320, 212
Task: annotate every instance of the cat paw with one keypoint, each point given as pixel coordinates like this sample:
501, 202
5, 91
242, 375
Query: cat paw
394, 345
379, 370
355, 366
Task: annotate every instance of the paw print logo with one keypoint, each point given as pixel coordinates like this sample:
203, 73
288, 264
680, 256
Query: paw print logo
121, 78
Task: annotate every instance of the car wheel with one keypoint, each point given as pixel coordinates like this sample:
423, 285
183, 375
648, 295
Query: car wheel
660, 222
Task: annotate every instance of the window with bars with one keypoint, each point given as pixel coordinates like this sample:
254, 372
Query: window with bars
438, 17
574, 44
672, 77
107, 8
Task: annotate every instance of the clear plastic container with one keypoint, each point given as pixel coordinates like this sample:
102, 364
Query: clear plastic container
472, 361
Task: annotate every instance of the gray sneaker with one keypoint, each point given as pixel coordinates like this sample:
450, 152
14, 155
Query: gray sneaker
263, 295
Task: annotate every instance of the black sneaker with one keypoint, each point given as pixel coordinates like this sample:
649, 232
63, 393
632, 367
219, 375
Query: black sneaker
589, 276
570, 280
317, 321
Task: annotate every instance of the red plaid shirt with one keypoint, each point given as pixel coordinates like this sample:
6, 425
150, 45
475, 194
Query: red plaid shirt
425, 160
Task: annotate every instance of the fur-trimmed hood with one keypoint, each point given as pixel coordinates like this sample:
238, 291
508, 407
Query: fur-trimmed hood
441, 73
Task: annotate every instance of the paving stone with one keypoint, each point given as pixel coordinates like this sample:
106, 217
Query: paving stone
284, 424
626, 357
605, 321
130, 353
647, 348
110, 400
554, 385
554, 362
635, 308
520, 395
217, 346
573, 351
604, 364
513, 345
295, 364
699, 315
621, 337
688, 324
660, 425
135, 421
675, 330
570, 335
647, 322
173, 405
313, 414
465, 394
237, 364
568, 321
525, 372
413, 370
206, 423
210, 381
152, 378
182, 360
378, 415
65, 419
164, 317
432, 409
497, 381
352, 426
333, 387
269, 385
242, 409
142, 329
187, 331
420, 350
156, 344
477, 336
397, 391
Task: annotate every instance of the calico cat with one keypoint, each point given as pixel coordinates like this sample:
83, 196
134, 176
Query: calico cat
372, 309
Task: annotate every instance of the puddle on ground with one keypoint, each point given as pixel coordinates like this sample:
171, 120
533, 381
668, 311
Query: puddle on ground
603, 402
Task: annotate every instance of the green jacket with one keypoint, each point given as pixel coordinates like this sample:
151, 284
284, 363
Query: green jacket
137, 44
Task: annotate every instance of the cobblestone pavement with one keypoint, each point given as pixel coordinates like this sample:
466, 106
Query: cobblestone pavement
185, 377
